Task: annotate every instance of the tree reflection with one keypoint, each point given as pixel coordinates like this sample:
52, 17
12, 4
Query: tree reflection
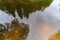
14, 31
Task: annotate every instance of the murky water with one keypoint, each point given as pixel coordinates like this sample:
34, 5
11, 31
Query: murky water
42, 24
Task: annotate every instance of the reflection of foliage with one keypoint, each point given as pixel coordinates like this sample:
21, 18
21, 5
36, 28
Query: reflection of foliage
56, 36
28, 6
14, 31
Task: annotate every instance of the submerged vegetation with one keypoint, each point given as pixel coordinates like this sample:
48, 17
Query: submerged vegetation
55, 36
14, 31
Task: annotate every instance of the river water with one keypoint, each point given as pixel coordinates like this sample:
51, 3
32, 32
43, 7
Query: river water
42, 24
